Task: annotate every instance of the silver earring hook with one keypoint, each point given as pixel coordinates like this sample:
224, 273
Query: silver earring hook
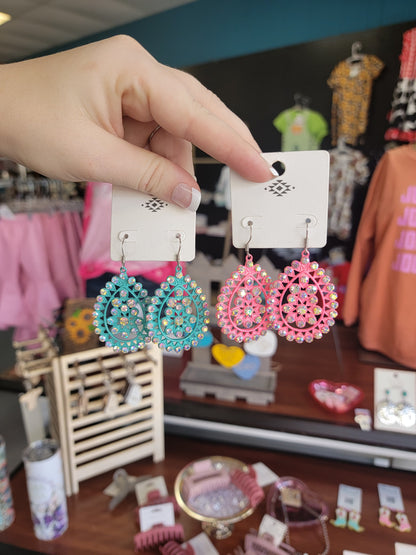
250, 224
179, 236
307, 222
123, 254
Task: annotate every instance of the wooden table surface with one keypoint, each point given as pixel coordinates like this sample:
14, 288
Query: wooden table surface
95, 530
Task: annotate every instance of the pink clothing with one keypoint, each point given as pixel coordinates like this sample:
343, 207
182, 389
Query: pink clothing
37, 271
95, 250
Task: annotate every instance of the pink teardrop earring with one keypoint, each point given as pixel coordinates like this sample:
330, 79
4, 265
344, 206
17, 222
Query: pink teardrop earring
243, 309
304, 299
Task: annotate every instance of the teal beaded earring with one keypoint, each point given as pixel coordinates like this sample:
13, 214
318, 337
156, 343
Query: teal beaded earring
120, 311
177, 316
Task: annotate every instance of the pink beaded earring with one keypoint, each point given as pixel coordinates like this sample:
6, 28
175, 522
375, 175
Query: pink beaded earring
304, 300
243, 308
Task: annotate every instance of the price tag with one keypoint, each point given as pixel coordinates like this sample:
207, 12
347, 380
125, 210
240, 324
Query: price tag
270, 526
350, 498
291, 497
264, 475
143, 489
390, 497
154, 515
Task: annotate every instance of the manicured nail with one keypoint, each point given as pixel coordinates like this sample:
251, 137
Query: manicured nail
186, 197
273, 171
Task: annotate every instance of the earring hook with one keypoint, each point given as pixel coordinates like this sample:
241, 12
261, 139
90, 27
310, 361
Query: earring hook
307, 222
123, 254
250, 224
179, 236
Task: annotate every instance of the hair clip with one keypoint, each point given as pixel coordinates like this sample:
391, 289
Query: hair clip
247, 483
205, 478
157, 535
155, 498
174, 548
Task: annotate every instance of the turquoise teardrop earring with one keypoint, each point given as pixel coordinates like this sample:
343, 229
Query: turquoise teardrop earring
120, 311
177, 316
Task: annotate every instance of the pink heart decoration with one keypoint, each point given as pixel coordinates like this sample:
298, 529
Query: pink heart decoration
335, 397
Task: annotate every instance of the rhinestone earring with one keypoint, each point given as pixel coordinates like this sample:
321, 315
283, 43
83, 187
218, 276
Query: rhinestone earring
386, 410
243, 310
177, 315
304, 299
120, 311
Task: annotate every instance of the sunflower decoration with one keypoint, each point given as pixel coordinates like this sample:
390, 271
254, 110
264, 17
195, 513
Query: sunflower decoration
79, 325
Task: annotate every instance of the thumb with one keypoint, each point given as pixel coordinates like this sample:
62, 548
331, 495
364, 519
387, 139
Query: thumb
126, 165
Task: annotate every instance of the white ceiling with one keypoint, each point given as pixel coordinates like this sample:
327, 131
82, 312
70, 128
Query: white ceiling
38, 25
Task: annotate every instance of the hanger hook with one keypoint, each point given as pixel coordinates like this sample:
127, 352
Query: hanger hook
250, 224
179, 236
123, 254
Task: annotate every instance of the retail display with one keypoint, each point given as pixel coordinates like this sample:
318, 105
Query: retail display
380, 289
402, 117
391, 501
351, 81
290, 501
348, 510
97, 429
46, 489
219, 492
335, 397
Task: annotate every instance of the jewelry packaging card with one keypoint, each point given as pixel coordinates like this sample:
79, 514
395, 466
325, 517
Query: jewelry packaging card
350, 498
395, 400
279, 208
152, 227
404, 549
390, 497
156, 515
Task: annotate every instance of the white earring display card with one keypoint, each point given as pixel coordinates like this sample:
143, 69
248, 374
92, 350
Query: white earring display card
152, 229
279, 209
395, 400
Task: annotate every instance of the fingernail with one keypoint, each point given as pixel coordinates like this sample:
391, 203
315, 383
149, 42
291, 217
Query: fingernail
186, 197
273, 171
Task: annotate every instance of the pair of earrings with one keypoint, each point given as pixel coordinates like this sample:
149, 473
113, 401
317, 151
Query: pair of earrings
300, 305
400, 413
403, 524
175, 318
349, 520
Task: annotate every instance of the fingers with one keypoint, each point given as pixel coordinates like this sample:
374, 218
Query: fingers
126, 165
186, 109
173, 148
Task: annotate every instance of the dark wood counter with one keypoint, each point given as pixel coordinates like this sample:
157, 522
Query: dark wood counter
93, 529
337, 357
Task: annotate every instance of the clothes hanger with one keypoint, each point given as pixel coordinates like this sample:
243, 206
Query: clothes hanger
301, 102
356, 54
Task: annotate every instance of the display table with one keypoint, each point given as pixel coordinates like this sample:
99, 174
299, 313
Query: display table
294, 421
93, 529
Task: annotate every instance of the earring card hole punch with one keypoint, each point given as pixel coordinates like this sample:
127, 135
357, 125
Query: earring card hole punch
280, 207
152, 226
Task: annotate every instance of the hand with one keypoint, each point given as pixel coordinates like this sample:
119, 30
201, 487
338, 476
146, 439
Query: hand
86, 115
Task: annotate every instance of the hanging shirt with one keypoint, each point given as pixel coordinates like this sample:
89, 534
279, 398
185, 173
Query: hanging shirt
301, 129
351, 85
347, 168
402, 117
381, 290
